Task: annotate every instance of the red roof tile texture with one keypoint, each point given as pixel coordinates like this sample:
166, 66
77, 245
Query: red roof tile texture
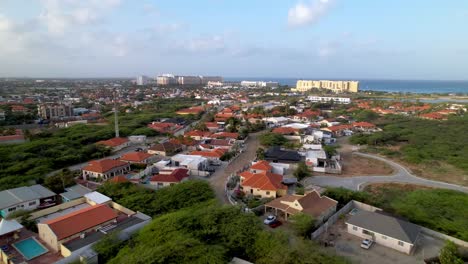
135, 156
81, 220
176, 175
113, 142
102, 166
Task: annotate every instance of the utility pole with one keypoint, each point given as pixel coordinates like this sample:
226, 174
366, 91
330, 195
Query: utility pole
116, 118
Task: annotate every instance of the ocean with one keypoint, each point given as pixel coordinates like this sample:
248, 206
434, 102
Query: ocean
403, 86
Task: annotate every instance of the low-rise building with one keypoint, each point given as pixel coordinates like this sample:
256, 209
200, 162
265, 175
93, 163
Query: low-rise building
25, 198
312, 203
384, 230
169, 177
74, 192
138, 157
277, 154
165, 149
328, 99
115, 144
105, 169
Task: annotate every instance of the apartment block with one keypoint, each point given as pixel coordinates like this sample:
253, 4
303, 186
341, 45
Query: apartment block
335, 86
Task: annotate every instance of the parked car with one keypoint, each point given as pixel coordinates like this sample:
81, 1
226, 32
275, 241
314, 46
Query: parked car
275, 224
367, 243
270, 219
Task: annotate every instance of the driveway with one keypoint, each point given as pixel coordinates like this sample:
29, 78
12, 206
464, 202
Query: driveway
219, 178
400, 175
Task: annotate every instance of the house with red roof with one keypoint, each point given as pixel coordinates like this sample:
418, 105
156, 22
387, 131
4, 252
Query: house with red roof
213, 127
169, 177
210, 154
19, 109
433, 116
339, 130
115, 144
18, 137
285, 131
187, 143
264, 184
56, 232
194, 110
226, 135
198, 134
307, 115
138, 157
165, 127
105, 169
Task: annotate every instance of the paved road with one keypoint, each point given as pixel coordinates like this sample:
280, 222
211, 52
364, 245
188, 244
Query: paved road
218, 179
401, 175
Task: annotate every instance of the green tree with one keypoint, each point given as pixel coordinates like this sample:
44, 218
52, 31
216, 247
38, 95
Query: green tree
303, 224
260, 153
108, 247
449, 254
302, 171
59, 181
272, 139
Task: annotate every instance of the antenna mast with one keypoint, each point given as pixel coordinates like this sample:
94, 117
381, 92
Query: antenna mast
116, 118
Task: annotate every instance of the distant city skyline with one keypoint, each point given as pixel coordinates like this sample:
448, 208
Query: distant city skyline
326, 39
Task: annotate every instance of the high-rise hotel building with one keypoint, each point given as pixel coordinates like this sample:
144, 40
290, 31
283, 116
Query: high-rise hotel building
335, 86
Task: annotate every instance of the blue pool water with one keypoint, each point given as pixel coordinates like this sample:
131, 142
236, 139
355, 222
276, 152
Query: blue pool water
30, 248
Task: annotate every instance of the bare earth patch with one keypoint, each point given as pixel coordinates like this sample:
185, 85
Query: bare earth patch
376, 188
354, 165
438, 171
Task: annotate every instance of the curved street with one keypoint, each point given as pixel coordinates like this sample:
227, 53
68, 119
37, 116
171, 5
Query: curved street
401, 175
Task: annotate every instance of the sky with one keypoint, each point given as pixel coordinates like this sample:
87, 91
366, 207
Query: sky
340, 39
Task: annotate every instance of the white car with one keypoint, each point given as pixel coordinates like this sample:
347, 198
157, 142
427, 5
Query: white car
367, 243
270, 219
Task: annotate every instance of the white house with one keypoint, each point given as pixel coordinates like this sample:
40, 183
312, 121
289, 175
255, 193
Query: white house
384, 230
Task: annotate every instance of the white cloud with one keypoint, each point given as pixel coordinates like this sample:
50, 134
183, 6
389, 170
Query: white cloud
308, 13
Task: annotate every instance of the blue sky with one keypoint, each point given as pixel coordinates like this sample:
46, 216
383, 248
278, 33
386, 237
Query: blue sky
250, 38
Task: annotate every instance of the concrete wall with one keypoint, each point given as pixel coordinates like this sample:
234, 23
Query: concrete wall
56, 208
436, 234
121, 208
46, 234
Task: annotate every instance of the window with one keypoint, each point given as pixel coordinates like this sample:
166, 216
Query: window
355, 228
400, 243
32, 203
268, 193
384, 237
11, 209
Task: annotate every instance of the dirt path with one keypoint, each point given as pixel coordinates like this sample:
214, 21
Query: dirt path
218, 179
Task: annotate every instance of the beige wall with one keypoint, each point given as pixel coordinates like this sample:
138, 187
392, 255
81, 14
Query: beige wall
56, 208
122, 209
381, 239
48, 236
336, 86
258, 192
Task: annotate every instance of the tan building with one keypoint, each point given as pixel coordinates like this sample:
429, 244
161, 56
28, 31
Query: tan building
105, 169
165, 80
335, 86
54, 111
58, 231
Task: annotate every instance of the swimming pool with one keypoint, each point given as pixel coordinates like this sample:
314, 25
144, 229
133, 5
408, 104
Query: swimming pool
30, 248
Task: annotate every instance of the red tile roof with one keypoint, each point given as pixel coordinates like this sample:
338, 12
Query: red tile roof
113, 142
198, 133
265, 181
215, 153
102, 166
176, 175
284, 130
135, 156
363, 124
435, 116
261, 165
338, 128
232, 135
191, 110
81, 220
